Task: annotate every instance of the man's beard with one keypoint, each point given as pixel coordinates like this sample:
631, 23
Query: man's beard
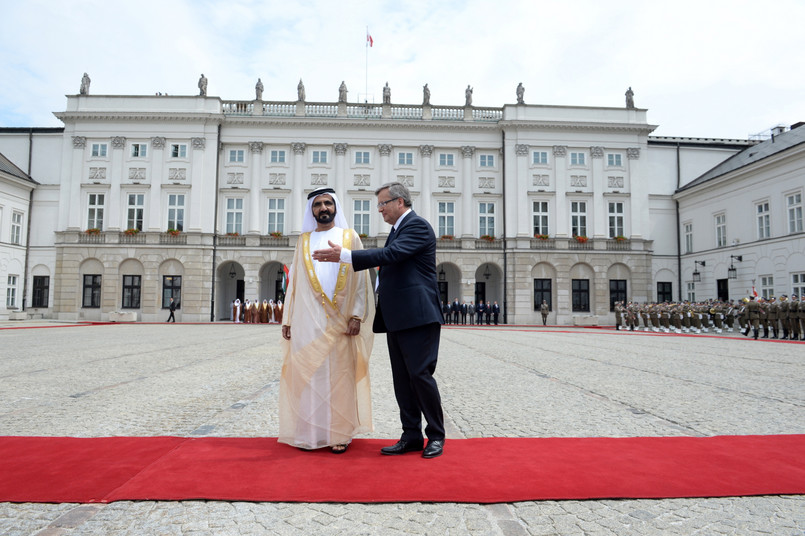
325, 217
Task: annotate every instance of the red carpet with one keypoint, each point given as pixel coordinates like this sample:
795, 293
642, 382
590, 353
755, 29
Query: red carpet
55, 469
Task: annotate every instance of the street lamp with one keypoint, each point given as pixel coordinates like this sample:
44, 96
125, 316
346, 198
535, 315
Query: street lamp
232, 272
732, 272
486, 272
441, 275
697, 276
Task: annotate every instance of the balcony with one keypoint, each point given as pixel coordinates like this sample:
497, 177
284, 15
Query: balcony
173, 239
543, 243
231, 240
127, 238
485, 243
274, 241
619, 245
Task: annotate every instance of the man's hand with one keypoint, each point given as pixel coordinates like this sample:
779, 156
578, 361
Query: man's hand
353, 326
328, 255
286, 332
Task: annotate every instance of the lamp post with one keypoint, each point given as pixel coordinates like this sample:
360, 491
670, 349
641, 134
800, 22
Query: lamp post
697, 276
486, 272
232, 272
441, 275
732, 272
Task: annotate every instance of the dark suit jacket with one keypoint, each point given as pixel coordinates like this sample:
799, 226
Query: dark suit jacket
408, 293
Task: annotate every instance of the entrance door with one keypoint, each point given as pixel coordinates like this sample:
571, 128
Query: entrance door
723, 289
443, 292
240, 290
480, 292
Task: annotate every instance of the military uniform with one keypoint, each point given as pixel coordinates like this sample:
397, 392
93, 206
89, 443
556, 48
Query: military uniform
753, 310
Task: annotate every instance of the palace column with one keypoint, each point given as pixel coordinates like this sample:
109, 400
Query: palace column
426, 153
339, 183
639, 202
154, 202
70, 205
117, 165
385, 165
297, 188
518, 218
600, 208
562, 223
256, 149
467, 151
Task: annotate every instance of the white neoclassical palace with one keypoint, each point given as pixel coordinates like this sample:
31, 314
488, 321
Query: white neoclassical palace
138, 199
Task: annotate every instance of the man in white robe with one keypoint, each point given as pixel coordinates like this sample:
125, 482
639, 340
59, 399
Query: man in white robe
325, 397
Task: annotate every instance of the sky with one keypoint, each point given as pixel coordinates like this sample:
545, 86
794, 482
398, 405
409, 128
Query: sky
703, 69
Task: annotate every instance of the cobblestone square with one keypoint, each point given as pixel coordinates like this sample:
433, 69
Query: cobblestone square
514, 381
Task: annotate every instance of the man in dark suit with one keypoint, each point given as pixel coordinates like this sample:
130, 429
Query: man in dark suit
409, 312
480, 310
495, 312
456, 308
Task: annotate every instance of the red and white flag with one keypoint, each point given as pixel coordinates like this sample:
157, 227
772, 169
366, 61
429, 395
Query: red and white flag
754, 292
369, 40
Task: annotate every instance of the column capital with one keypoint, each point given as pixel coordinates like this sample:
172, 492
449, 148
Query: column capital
467, 151
340, 148
633, 153
158, 142
256, 146
597, 152
521, 149
298, 147
79, 142
426, 150
560, 150
118, 142
385, 149
198, 143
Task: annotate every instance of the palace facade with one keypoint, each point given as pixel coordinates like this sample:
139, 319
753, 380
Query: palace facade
142, 198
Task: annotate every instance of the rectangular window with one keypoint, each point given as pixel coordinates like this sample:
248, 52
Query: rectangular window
11, 292
615, 219
617, 292
16, 227
766, 286
131, 291
576, 159
171, 288
95, 211
138, 150
277, 157
763, 223
539, 158
614, 160
798, 284
688, 232
41, 291
176, 212
486, 221
447, 218
319, 157
276, 215
540, 218
99, 150
236, 155
581, 295
446, 160
178, 150
664, 293
721, 230
134, 211
361, 215
542, 292
487, 160
691, 287
361, 157
578, 218
92, 291
794, 204
405, 159
234, 216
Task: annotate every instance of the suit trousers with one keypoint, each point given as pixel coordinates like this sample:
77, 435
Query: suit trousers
413, 353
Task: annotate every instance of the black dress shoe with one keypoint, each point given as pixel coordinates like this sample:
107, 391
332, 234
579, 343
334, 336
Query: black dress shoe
401, 447
434, 448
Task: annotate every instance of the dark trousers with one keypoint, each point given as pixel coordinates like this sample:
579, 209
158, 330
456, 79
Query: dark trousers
171, 317
413, 353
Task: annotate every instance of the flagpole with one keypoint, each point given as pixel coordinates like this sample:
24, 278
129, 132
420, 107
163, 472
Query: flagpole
366, 79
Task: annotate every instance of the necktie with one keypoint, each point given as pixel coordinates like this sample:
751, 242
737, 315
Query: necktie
390, 237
